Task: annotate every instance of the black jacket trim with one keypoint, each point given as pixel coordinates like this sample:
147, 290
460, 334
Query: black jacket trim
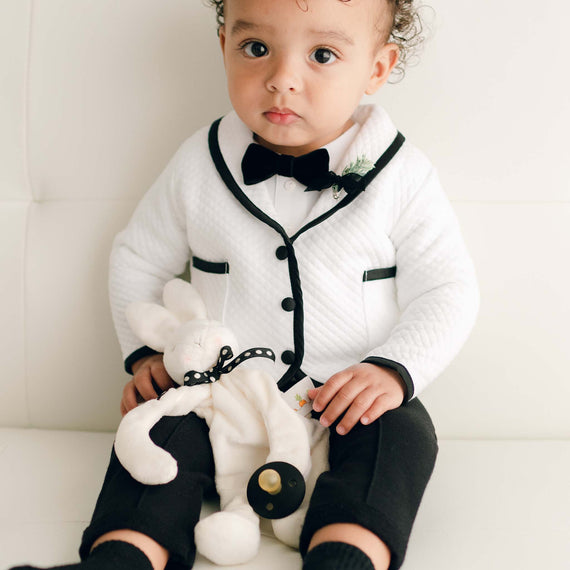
397, 367
137, 355
219, 268
290, 378
380, 273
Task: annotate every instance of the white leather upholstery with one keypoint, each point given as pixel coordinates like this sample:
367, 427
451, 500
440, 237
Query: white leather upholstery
491, 504
94, 99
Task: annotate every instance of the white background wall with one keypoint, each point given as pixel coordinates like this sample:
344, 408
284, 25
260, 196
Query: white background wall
489, 104
96, 95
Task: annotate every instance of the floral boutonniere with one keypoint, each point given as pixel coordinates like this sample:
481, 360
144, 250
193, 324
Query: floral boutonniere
351, 175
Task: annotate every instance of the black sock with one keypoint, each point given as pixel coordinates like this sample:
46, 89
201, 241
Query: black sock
336, 556
110, 555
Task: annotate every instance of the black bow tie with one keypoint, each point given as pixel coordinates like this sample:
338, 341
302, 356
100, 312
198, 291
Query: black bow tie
194, 377
311, 170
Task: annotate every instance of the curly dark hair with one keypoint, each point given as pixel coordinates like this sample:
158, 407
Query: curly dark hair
407, 30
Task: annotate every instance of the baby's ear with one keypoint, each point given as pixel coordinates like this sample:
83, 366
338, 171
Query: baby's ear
181, 299
154, 325
385, 60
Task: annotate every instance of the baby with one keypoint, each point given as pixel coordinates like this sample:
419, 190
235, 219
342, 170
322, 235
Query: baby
315, 229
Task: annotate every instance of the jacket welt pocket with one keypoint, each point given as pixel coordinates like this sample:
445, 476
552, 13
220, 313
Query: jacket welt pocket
211, 280
216, 267
380, 273
380, 303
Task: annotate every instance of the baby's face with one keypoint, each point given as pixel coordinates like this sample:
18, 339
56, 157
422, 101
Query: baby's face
296, 76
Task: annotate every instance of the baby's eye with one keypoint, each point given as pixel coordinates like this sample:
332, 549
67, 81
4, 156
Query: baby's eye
323, 56
255, 49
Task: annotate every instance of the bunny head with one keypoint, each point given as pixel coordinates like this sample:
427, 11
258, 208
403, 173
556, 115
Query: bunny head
181, 330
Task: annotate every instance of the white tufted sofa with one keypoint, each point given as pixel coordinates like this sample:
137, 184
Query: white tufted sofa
94, 98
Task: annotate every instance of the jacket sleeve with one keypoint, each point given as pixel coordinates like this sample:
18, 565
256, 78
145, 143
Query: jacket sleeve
436, 287
150, 251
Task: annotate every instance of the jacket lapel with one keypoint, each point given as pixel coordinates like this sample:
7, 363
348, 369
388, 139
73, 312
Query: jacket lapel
233, 139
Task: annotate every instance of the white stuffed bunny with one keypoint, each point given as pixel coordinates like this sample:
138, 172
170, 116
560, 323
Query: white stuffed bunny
250, 423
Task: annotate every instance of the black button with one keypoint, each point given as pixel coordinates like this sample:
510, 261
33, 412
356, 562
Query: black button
282, 252
288, 357
288, 304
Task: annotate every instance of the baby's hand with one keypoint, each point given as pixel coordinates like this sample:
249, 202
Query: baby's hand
141, 388
365, 391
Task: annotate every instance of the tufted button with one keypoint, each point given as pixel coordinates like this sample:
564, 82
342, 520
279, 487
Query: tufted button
281, 252
288, 357
288, 304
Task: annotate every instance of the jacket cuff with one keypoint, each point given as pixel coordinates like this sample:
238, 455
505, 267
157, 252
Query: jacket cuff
397, 367
137, 355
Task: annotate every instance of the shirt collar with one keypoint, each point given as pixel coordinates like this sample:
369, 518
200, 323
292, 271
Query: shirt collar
339, 147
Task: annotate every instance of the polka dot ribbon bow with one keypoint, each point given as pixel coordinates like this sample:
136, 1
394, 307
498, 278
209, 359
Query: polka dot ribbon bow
194, 377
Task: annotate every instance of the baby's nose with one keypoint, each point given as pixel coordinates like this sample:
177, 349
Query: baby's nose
284, 77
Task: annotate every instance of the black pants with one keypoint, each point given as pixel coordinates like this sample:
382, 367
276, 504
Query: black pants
378, 474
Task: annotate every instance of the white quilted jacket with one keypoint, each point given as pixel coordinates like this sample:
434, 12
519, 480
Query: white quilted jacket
326, 297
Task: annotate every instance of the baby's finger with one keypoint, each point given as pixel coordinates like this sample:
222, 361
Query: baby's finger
143, 384
313, 392
360, 406
381, 405
129, 400
341, 402
329, 390
161, 377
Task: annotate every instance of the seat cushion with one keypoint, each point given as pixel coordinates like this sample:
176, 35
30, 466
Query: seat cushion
490, 504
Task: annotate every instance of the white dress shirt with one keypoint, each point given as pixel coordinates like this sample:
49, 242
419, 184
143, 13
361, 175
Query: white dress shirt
292, 203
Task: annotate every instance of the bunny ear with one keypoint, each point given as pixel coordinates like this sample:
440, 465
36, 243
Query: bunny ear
183, 301
154, 325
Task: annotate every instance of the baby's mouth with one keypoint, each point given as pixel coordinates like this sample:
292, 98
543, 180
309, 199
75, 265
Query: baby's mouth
281, 116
